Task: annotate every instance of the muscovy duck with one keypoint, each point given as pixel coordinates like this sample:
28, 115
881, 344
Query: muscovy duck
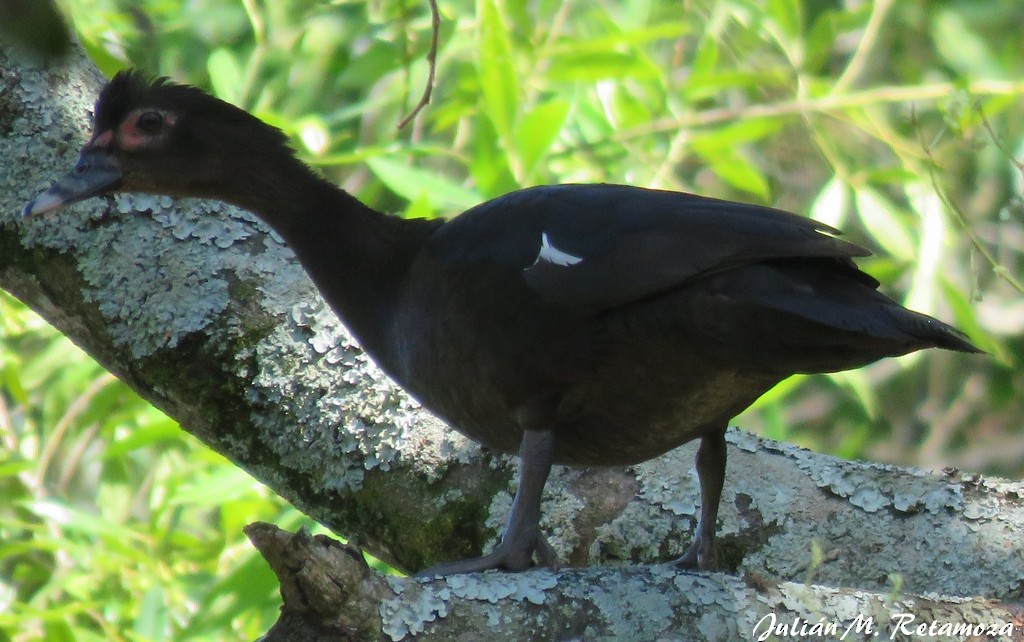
585, 325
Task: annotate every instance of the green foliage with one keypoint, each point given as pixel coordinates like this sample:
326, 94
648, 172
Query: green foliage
115, 525
893, 120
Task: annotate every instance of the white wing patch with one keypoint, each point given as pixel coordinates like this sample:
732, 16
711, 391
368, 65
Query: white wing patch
552, 254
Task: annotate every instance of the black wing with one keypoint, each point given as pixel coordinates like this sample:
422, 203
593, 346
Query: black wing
600, 246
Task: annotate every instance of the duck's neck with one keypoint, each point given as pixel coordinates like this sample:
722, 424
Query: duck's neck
357, 257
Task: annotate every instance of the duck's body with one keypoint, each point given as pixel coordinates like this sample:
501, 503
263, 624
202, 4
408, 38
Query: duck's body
575, 324
631, 371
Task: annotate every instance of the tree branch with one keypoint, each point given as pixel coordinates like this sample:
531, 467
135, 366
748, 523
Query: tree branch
321, 579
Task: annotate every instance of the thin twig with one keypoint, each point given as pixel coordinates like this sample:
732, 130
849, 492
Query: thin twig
999, 269
435, 32
1018, 165
860, 57
79, 405
259, 30
830, 103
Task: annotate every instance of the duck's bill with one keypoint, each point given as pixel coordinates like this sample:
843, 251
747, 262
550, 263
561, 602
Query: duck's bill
96, 172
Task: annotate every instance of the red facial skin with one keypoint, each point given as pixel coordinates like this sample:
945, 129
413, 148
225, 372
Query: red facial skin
129, 136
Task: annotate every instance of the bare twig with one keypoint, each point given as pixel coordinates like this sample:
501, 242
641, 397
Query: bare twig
435, 32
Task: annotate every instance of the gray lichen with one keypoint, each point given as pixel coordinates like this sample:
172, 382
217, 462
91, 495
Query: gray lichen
418, 604
409, 613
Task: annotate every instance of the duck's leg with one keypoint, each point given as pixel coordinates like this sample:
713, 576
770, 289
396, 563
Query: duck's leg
711, 475
522, 539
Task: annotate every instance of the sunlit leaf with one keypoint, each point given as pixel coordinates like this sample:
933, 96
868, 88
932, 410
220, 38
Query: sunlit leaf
152, 623
821, 38
314, 134
962, 47
420, 208
884, 222
537, 131
787, 18
830, 205
225, 75
73, 519
737, 171
966, 317
857, 382
497, 73
11, 376
11, 468
731, 134
780, 391
154, 432
250, 585
220, 486
600, 66
412, 183
787, 15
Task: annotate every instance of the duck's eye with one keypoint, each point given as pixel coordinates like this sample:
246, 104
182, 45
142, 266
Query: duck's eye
150, 121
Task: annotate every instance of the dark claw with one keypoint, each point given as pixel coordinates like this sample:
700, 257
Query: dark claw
512, 557
699, 556
522, 541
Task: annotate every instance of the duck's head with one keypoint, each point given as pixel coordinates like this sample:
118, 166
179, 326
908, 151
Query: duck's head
160, 137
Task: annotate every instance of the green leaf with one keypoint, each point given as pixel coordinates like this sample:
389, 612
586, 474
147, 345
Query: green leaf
737, 171
412, 183
489, 163
152, 622
537, 131
820, 41
748, 130
59, 632
883, 221
79, 521
225, 75
10, 372
14, 467
601, 65
705, 59
155, 432
967, 321
829, 207
780, 391
710, 86
497, 74
368, 67
223, 484
631, 107
962, 48
787, 15
251, 585
420, 208
857, 382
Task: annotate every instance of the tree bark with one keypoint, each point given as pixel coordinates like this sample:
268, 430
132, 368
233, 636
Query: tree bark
202, 310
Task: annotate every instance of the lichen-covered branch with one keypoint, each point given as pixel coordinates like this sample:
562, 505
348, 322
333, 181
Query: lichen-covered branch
206, 313
321, 578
